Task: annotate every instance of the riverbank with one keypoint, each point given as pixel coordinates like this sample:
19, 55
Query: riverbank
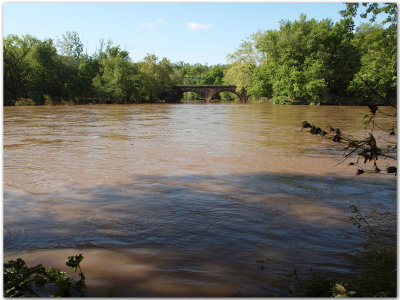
88, 101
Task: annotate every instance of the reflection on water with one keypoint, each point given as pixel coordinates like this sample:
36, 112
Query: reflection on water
181, 200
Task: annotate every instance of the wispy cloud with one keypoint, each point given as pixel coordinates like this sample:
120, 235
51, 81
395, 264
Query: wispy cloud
197, 26
152, 25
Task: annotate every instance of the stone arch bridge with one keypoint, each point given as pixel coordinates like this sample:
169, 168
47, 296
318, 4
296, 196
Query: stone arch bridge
208, 91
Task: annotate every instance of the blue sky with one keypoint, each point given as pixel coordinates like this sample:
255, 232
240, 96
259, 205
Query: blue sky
202, 32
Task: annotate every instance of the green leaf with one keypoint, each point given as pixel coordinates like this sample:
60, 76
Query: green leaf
351, 293
340, 288
40, 280
74, 262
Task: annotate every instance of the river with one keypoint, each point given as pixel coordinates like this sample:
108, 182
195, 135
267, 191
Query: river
187, 199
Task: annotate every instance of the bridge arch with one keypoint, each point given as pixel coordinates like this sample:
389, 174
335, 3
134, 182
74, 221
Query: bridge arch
208, 91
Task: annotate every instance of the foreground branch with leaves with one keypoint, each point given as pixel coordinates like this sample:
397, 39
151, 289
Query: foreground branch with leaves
38, 281
366, 149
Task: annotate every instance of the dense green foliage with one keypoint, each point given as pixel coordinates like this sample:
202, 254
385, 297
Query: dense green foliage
34, 70
321, 62
22, 281
318, 62
305, 61
43, 72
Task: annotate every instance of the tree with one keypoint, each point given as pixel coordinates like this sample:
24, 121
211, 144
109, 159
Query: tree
157, 77
376, 82
243, 63
15, 52
305, 61
318, 62
117, 79
70, 45
373, 10
101, 50
239, 74
45, 72
261, 85
295, 62
80, 84
214, 76
343, 62
117, 52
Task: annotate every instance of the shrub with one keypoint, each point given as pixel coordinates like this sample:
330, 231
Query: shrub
25, 102
21, 281
281, 100
67, 102
48, 100
261, 100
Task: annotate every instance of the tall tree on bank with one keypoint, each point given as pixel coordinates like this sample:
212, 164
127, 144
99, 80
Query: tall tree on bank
45, 72
376, 82
15, 66
243, 63
77, 81
307, 61
118, 77
318, 62
157, 77
70, 45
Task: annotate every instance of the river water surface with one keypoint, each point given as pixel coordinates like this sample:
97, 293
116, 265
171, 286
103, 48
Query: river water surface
187, 199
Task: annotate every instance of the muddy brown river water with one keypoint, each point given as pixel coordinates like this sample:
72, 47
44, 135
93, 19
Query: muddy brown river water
187, 199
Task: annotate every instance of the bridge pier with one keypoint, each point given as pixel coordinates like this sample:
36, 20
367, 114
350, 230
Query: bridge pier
208, 95
243, 96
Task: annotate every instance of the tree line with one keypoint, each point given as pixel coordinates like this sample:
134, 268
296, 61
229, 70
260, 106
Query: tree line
303, 62
43, 72
321, 62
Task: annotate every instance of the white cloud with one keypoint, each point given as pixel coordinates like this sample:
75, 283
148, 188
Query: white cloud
153, 25
197, 26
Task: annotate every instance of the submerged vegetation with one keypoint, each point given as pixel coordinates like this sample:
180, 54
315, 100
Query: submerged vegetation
304, 62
